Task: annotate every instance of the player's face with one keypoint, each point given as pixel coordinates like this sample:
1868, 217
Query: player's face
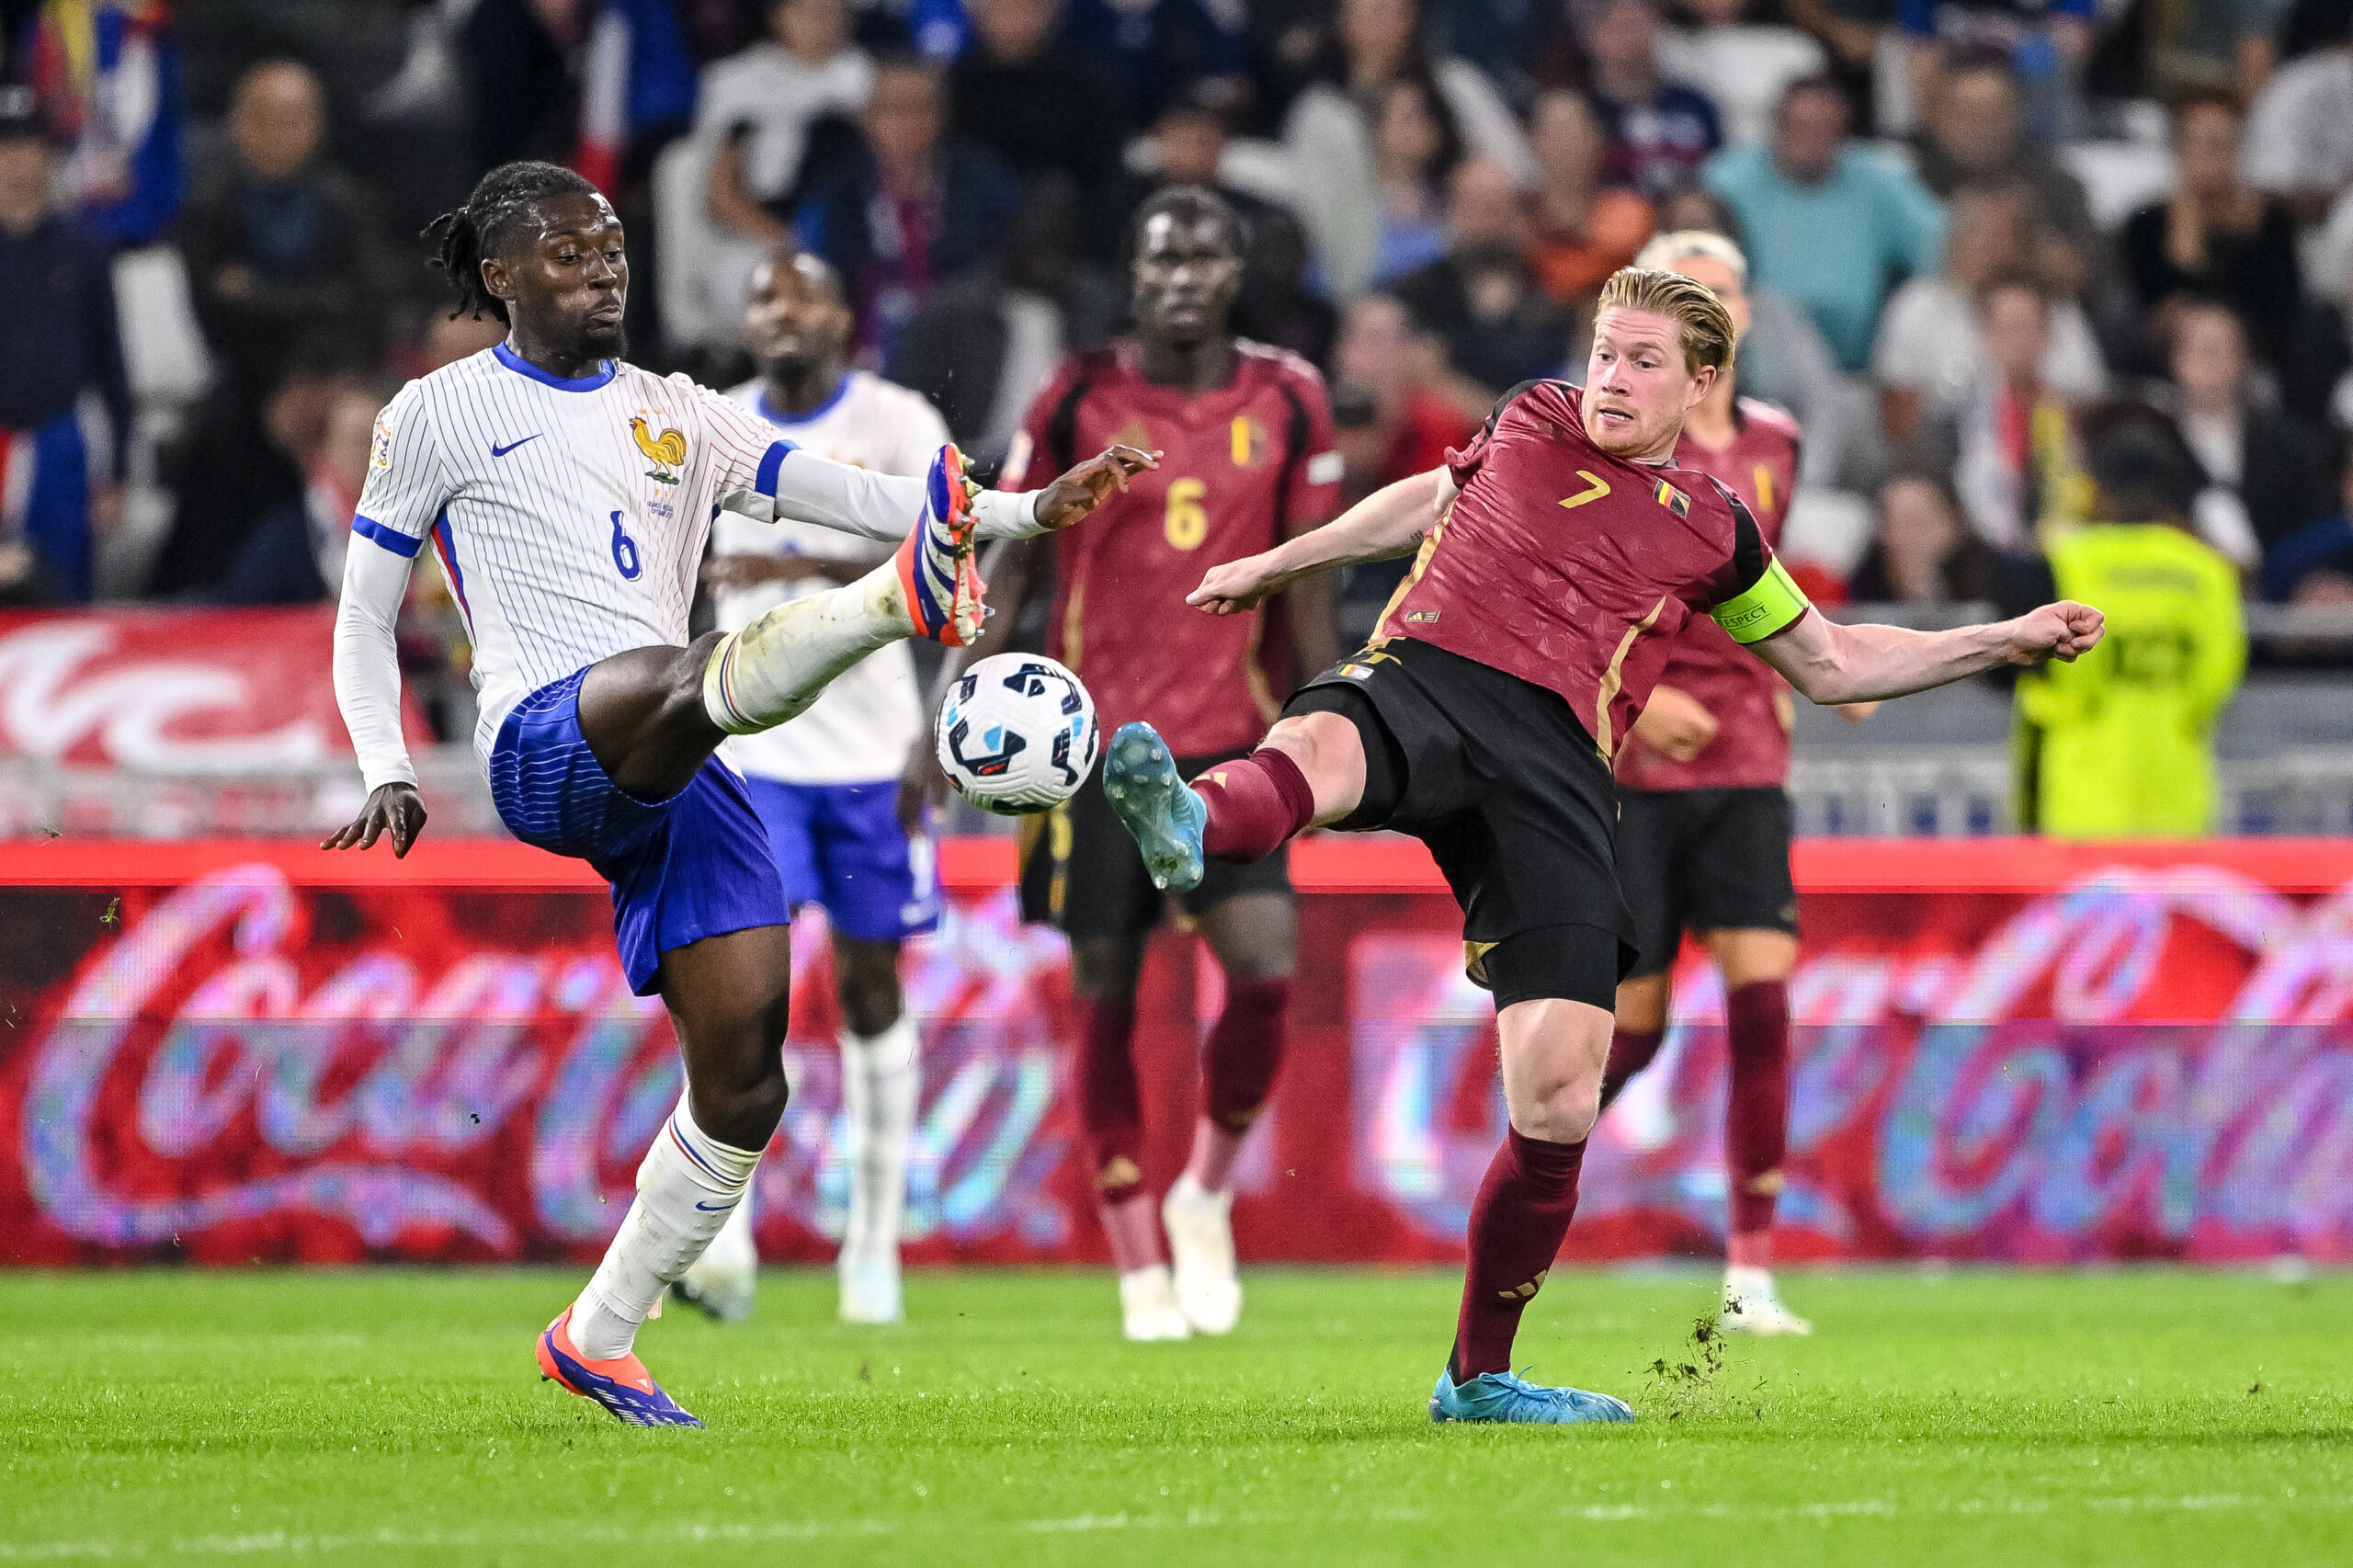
794, 320
567, 282
1186, 276
1638, 384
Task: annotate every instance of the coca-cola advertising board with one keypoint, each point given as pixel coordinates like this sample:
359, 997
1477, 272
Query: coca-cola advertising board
225, 1052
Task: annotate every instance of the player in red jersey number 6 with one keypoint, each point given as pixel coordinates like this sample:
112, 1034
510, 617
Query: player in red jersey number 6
1559, 555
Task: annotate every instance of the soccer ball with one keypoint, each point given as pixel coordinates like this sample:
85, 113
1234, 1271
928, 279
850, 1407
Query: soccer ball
1016, 734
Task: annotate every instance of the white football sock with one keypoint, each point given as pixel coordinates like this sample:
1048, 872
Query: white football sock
773, 669
735, 1247
686, 1187
879, 1080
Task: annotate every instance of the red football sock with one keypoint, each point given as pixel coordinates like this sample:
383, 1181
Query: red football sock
1630, 1051
1109, 1105
1255, 804
1517, 1225
1238, 1068
1757, 1127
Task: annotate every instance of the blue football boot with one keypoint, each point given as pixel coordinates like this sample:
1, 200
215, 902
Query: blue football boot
1167, 818
1499, 1396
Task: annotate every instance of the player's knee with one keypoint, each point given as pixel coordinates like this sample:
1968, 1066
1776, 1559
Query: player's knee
868, 985
745, 1113
1563, 1115
1105, 968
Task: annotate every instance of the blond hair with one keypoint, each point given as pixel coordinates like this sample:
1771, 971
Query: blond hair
1704, 325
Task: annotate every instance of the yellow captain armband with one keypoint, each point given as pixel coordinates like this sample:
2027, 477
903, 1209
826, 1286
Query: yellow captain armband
1772, 603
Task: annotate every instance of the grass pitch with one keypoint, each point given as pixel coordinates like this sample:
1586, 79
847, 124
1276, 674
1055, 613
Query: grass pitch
2140, 1416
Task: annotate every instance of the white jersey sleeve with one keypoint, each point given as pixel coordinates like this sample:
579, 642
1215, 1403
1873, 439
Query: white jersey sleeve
406, 489
763, 478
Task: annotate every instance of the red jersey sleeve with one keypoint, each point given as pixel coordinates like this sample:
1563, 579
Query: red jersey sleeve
1312, 495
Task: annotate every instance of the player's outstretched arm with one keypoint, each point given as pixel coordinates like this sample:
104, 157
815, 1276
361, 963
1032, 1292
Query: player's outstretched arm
1831, 663
1390, 521
368, 691
883, 506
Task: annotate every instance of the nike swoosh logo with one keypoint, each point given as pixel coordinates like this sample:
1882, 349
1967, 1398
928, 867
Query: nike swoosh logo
714, 1208
499, 452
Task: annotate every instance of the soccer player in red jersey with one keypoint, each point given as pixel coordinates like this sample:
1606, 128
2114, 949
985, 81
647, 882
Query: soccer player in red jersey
1248, 460
1703, 821
1559, 555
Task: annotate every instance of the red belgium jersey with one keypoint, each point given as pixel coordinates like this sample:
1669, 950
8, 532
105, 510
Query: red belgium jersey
1573, 569
1242, 468
1749, 700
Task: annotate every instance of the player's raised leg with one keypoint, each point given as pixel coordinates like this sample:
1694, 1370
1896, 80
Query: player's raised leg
1255, 937
1308, 771
1552, 1051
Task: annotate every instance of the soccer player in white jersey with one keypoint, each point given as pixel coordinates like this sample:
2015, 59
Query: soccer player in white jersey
567, 496
826, 784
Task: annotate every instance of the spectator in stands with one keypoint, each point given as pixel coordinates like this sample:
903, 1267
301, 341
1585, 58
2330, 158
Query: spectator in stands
2298, 143
279, 245
1419, 409
982, 345
1827, 223
1931, 347
294, 554
1042, 109
907, 209
1660, 130
1333, 132
58, 341
116, 107
1851, 31
1974, 132
2215, 235
757, 107
1481, 299
1584, 230
1921, 552
238, 461
2314, 564
1742, 66
1153, 50
2121, 744
1415, 148
2010, 445
2042, 46
1187, 146
2263, 455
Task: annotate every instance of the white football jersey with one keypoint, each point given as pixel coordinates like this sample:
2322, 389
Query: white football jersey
859, 730
568, 515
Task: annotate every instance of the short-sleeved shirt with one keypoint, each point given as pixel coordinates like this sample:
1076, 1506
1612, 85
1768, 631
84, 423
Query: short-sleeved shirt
1576, 569
861, 726
1242, 468
568, 515
1749, 702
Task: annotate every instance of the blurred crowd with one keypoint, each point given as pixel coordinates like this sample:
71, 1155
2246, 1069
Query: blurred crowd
1972, 226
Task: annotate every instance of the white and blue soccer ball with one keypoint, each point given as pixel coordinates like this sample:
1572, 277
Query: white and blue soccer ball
1016, 734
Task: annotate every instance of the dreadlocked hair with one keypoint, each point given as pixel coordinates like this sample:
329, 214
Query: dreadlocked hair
502, 201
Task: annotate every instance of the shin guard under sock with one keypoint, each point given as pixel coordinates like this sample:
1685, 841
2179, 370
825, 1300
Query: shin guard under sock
1254, 803
1757, 1124
1517, 1223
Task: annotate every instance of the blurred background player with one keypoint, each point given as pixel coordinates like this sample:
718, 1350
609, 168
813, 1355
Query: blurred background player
1249, 460
1704, 824
825, 785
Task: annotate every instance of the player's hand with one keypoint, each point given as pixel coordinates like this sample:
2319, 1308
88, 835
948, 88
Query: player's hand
1675, 724
729, 573
922, 787
1237, 587
1086, 487
1856, 712
2066, 631
391, 808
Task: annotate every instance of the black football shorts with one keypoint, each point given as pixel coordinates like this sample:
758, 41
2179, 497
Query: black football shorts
1507, 787
1703, 860
1082, 874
